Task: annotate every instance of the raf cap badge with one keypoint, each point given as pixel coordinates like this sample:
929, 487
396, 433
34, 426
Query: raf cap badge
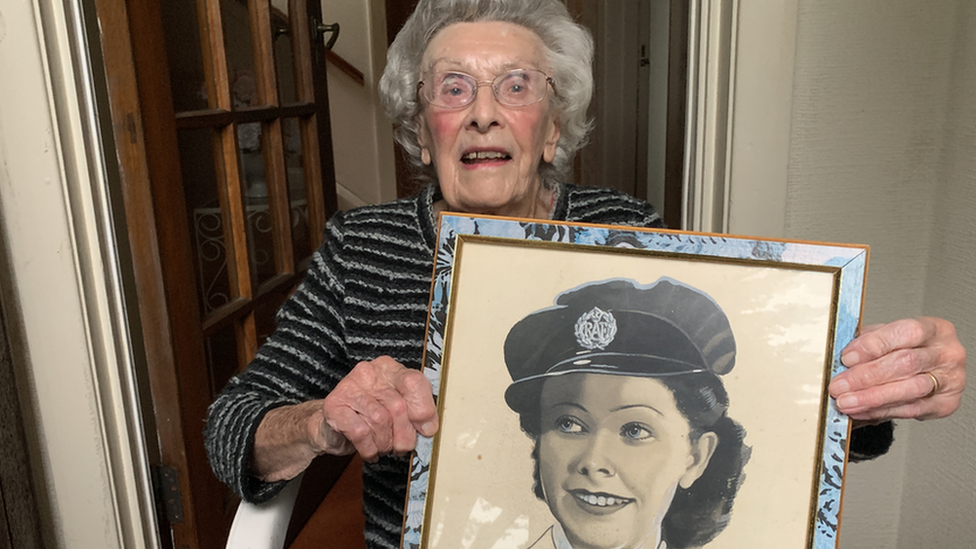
595, 329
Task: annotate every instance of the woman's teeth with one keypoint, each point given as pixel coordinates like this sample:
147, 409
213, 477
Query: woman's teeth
483, 155
601, 501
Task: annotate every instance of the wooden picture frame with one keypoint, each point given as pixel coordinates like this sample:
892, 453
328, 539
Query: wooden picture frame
502, 308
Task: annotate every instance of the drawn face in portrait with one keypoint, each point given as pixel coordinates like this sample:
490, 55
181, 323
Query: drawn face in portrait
613, 450
619, 386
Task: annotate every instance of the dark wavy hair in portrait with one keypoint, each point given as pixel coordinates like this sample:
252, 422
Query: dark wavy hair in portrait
666, 331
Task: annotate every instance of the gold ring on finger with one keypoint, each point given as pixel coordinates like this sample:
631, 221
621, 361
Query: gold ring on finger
935, 384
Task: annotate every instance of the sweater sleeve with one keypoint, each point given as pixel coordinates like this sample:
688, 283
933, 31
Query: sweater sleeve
302, 360
871, 441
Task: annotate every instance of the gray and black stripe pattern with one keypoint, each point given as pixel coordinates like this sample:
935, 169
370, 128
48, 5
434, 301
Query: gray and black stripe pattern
365, 296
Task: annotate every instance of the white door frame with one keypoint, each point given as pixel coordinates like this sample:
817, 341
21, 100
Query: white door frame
740, 98
70, 339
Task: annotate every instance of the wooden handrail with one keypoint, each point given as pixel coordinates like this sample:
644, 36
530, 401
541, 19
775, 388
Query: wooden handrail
345, 66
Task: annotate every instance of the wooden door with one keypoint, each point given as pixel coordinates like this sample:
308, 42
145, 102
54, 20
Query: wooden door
397, 13
617, 155
220, 119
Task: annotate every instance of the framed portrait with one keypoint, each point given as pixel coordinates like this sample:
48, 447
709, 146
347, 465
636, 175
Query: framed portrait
604, 386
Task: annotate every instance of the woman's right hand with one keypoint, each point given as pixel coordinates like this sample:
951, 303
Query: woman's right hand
377, 409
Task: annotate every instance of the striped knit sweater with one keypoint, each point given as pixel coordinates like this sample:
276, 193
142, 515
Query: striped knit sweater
365, 296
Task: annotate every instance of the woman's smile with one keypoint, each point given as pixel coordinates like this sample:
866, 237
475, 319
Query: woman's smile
599, 502
474, 158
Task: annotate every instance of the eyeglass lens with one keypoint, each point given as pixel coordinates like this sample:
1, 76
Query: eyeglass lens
516, 88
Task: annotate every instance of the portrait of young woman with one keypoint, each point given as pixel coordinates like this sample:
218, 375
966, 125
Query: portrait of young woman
618, 386
619, 400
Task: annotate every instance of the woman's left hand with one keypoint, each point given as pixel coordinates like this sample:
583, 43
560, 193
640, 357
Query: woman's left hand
905, 369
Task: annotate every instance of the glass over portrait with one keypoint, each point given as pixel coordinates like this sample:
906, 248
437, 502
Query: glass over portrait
612, 396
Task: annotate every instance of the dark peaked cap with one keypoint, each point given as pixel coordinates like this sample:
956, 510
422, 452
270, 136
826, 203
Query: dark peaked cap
621, 328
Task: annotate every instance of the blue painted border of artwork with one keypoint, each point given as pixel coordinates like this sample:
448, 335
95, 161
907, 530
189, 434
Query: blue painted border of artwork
850, 260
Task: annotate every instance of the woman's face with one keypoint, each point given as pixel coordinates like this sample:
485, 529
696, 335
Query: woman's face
505, 181
612, 452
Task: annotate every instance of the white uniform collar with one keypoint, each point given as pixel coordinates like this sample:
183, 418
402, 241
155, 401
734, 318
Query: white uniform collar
560, 542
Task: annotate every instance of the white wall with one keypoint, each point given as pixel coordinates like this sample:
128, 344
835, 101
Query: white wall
882, 152
362, 136
762, 105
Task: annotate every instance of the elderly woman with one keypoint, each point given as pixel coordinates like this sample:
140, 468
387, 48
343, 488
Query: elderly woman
618, 386
489, 98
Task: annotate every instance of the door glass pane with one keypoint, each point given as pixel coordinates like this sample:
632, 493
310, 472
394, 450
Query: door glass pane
205, 218
295, 164
264, 315
258, 222
284, 51
240, 60
221, 358
186, 74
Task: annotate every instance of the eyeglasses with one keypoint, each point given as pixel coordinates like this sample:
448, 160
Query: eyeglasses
515, 88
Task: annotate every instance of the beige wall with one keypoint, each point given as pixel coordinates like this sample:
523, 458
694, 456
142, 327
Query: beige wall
882, 152
362, 136
942, 456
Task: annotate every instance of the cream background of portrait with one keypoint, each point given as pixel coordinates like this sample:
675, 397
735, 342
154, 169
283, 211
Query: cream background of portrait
482, 494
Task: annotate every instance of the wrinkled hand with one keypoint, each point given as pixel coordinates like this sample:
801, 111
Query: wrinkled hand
891, 371
379, 408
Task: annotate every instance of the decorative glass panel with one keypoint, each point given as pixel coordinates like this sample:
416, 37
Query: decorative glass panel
205, 217
284, 50
258, 221
240, 60
295, 166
